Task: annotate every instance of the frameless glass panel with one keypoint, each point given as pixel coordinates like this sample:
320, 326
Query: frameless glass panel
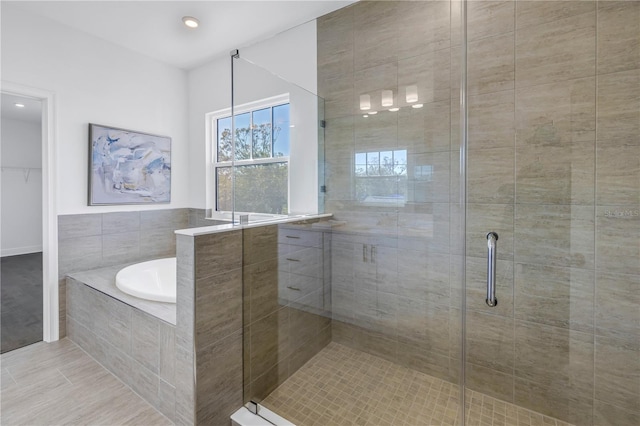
262, 188
224, 141
262, 133
224, 188
550, 172
281, 130
287, 299
242, 136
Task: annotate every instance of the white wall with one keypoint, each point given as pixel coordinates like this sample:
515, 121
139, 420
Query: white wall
291, 55
96, 82
21, 226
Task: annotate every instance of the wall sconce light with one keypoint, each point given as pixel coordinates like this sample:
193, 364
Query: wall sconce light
387, 98
365, 102
411, 94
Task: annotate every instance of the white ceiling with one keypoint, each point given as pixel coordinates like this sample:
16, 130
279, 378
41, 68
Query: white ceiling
31, 111
155, 28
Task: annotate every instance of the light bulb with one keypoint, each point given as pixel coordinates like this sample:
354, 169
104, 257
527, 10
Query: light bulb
387, 98
365, 102
411, 94
190, 21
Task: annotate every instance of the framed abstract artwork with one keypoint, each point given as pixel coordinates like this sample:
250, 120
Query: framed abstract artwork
128, 167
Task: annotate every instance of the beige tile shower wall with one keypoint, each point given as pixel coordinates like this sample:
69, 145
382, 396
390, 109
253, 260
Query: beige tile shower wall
391, 264
554, 168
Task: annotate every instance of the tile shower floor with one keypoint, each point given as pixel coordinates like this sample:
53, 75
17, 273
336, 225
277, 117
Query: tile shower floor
341, 386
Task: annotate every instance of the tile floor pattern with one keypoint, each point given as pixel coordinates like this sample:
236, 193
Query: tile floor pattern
341, 386
58, 383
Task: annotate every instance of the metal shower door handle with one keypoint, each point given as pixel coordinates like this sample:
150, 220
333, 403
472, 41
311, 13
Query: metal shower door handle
492, 239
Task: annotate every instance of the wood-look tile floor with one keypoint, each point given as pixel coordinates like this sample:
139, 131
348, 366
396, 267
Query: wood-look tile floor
59, 384
341, 386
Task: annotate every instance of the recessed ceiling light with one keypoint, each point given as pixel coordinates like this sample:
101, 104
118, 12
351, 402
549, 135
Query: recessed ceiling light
19, 105
190, 21
393, 109
373, 112
417, 106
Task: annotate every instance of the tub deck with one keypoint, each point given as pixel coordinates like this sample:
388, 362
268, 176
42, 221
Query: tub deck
104, 280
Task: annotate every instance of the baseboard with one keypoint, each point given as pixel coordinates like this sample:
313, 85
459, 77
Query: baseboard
20, 250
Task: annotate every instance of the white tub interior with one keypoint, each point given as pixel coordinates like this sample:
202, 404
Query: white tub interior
153, 280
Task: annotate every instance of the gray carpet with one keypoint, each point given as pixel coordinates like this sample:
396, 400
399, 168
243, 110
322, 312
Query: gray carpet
21, 301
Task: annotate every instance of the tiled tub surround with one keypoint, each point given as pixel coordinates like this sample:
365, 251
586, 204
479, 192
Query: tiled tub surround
212, 266
90, 241
137, 347
553, 168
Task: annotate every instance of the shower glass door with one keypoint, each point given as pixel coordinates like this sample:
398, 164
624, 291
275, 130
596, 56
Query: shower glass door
553, 170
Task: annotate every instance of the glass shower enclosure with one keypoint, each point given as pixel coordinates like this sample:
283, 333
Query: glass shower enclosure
481, 163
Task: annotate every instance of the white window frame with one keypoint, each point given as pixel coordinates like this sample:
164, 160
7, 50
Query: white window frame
212, 146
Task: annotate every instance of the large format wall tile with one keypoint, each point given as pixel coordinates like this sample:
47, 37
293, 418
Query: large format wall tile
489, 382
375, 34
335, 50
491, 121
218, 306
618, 145
618, 100
489, 18
491, 64
219, 384
490, 341
560, 297
618, 36
617, 236
556, 400
211, 260
617, 372
610, 415
555, 235
554, 356
422, 27
491, 175
556, 51
617, 299
555, 125
536, 12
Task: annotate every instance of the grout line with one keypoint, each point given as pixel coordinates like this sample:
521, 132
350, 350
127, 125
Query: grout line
595, 219
11, 376
65, 377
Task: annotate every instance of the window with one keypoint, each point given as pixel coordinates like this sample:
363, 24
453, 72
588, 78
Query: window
381, 176
262, 159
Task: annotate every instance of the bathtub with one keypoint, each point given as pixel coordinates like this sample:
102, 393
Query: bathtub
153, 280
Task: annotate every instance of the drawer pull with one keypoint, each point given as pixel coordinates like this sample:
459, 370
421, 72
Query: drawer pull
292, 236
293, 260
293, 288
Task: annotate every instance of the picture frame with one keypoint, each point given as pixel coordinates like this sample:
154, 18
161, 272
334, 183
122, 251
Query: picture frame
128, 167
